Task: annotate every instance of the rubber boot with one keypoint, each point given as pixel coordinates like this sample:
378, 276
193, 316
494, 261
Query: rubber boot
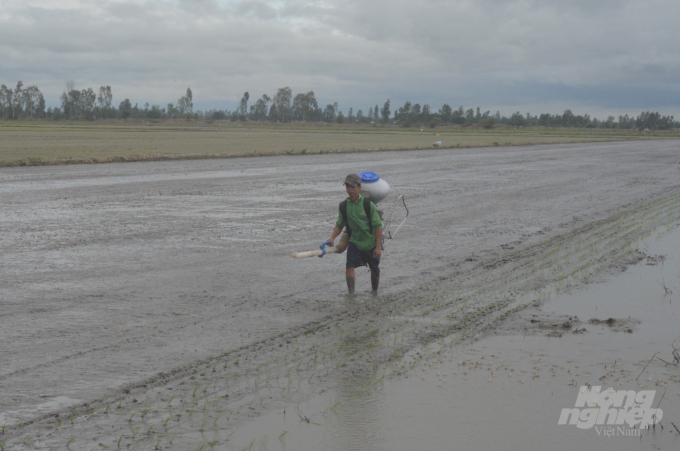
351, 280
374, 284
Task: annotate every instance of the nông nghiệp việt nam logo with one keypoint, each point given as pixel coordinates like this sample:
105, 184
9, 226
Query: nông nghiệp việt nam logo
622, 408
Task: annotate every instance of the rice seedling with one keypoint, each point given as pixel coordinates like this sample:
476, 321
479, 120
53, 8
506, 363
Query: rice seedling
332, 406
167, 420
264, 441
171, 437
215, 440
158, 443
202, 427
131, 417
248, 447
145, 411
106, 410
229, 436
150, 428
135, 431
195, 390
215, 422
2, 428
2, 446
68, 444
72, 419
283, 434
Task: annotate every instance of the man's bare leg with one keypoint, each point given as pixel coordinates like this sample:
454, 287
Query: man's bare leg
375, 281
351, 280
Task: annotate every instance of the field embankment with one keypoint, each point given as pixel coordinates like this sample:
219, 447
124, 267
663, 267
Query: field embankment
50, 143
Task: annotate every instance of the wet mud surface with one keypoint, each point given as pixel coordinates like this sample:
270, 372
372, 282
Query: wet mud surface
155, 305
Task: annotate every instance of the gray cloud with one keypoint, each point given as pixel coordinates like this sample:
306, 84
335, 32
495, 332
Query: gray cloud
610, 54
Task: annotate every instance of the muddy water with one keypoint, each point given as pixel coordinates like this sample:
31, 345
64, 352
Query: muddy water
508, 392
160, 297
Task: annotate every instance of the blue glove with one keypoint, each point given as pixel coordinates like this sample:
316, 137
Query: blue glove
323, 247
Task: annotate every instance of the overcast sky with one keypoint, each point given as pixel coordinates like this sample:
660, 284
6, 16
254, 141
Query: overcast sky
593, 56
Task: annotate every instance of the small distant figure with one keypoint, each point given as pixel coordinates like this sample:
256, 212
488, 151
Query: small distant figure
437, 144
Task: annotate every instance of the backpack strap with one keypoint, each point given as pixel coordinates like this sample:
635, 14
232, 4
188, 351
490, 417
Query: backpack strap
367, 210
343, 212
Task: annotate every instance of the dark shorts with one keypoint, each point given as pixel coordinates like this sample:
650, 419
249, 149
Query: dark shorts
356, 258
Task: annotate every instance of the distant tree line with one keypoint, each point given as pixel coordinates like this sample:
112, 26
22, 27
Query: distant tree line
20, 102
86, 104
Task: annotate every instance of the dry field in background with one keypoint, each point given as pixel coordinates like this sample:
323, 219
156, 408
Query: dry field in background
40, 143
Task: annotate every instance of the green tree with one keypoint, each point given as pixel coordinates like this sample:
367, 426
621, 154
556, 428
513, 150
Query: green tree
185, 104
125, 108
34, 102
273, 113
304, 106
5, 101
330, 112
104, 101
517, 119
446, 112
385, 112
17, 101
258, 112
243, 106
425, 113
86, 102
283, 101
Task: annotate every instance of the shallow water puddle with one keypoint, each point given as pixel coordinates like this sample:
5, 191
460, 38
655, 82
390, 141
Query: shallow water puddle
509, 392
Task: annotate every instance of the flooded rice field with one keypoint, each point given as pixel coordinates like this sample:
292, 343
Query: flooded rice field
155, 305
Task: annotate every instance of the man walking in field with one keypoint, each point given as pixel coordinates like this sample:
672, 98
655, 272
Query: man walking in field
364, 228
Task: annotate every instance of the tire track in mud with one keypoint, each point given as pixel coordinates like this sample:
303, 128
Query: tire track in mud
201, 403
